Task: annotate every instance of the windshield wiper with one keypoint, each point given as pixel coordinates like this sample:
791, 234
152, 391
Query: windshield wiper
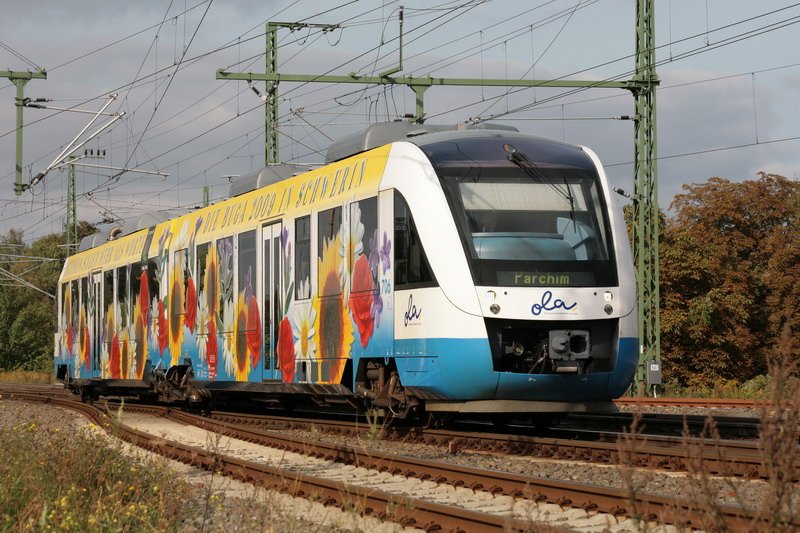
529, 167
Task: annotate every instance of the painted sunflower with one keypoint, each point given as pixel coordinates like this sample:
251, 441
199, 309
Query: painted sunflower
334, 329
211, 283
239, 341
84, 344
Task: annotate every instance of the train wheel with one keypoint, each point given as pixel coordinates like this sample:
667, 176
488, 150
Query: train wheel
87, 395
436, 420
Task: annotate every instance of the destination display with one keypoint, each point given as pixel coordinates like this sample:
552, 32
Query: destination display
519, 278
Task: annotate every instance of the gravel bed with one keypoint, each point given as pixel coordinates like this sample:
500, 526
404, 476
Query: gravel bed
693, 411
748, 492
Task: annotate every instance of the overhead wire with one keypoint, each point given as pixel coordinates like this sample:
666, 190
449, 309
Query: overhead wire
687, 56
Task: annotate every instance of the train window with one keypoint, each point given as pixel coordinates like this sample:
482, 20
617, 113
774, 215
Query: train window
410, 262
122, 294
62, 293
247, 262
329, 223
153, 286
202, 257
226, 293
85, 294
364, 257
177, 305
136, 282
108, 290
302, 258
74, 302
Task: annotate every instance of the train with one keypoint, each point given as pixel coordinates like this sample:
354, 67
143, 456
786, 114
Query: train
423, 270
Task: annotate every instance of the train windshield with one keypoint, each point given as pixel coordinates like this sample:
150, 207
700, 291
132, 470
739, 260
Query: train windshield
528, 216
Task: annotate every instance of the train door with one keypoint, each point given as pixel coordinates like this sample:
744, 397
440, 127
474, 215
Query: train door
95, 318
271, 299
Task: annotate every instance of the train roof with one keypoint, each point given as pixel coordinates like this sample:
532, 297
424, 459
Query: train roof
425, 136
382, 133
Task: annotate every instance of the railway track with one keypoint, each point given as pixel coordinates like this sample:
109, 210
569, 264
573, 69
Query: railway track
725, 457
407, 511
723, 403
738, 458
729, 427
589, 497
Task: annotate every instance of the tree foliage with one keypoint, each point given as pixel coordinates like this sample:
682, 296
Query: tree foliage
730, 265
27, 316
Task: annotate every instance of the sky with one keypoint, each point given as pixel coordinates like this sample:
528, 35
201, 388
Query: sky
727, 105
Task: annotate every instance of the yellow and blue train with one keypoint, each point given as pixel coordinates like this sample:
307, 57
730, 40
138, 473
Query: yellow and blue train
421, 269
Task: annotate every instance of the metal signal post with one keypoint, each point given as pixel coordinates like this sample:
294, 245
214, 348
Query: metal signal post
19, 79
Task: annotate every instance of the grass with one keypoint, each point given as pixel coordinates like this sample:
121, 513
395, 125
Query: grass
54, 477
25, 376
779, 434
755, 389
59, 480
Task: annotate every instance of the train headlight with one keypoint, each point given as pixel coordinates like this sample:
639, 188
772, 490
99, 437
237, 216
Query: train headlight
518, 349
494, 308
608, 309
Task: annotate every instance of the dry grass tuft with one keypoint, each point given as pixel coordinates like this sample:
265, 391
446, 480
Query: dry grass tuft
25, 376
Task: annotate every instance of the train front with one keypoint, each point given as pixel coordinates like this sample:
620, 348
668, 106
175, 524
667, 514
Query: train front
550, 261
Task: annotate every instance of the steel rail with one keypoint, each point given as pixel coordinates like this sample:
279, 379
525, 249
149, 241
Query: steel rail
404, 510
615, 501
693, 402
724, 457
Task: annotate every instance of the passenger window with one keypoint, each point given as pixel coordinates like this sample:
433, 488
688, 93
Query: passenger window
136, 281
226, 294
247, 263
365, 245
302, 258
180, 267
153, 289
410, 263
108, 290
85, 294
329, 224
122, 295
62, 293
202, 257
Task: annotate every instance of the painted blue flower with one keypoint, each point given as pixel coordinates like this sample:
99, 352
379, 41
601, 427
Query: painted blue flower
284, 238
386, 251
374, 253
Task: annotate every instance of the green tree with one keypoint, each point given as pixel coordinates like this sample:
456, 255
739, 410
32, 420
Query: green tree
28, 317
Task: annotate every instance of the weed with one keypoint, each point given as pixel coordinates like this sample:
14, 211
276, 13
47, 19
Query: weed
80, 482
22, 376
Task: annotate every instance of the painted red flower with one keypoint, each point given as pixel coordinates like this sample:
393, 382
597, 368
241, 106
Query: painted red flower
360, 302
144, 295
212, 350
114, 359
190, 318
163, 336
254, 331
286, 350
70, 338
